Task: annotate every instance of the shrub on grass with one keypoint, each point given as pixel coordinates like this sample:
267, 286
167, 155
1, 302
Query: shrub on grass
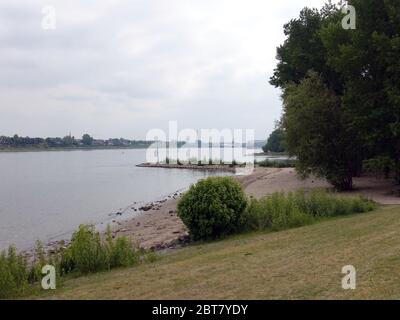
284, 212
14, 273
40, 260
17, 275
325, 204
279, 211
121, 252
275, 212
7, 282
289, 163
361, 204
256, 217
213, 208
86, 253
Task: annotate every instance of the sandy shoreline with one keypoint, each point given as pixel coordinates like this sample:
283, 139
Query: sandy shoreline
161, 228
156, 226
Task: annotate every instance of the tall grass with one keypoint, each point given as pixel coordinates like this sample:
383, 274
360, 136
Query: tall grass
14, 273
87, 253
279, 211
327, 204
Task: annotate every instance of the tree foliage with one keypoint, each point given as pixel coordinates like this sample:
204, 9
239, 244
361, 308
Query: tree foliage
356, 76
276, 141
87, 139
316, 132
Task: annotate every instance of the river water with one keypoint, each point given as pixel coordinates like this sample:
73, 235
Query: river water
49, 194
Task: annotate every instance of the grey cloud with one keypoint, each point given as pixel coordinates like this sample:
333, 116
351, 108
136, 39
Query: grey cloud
119, 68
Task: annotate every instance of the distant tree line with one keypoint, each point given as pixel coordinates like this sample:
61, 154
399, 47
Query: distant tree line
276, 141
68, 142
341, 91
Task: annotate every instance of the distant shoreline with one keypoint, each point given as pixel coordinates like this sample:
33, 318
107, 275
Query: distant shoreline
24, 149
214, 167
271, 154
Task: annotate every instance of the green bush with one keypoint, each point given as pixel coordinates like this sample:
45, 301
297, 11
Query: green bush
40, 260
256, 216
121, 253
17, 275
275, 212
289, 163
380, 165
86, 253
213, 208
284, 212
326, 204
14, 273
279, 211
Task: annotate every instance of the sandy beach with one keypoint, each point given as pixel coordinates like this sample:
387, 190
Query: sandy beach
160, 228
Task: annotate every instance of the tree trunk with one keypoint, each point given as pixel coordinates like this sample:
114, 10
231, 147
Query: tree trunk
345, 184
397, 172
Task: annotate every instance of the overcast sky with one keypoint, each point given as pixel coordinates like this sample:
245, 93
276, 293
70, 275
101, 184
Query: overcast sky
118, 68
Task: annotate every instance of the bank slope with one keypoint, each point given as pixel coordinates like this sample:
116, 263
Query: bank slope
303, 263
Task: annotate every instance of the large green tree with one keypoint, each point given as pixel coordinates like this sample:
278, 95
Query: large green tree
303, 49
316, 132
313, 120
361, 70
297, 55
367, 59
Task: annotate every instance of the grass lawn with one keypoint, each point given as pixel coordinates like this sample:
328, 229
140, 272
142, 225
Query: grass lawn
303, 263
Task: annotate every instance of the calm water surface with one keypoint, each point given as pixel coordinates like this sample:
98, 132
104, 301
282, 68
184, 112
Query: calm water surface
48, 194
